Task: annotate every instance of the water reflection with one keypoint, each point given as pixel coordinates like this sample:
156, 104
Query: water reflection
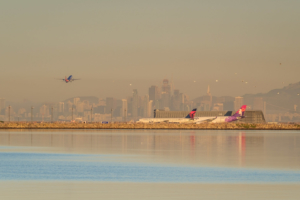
267, 149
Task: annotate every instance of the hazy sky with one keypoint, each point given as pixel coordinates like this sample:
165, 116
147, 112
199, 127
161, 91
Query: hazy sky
110, 44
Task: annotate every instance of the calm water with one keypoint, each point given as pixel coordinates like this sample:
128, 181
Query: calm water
147, 156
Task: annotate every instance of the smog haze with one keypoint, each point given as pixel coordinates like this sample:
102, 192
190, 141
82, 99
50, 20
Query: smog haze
236, 47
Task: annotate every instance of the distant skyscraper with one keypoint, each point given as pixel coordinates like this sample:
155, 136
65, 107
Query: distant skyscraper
258, 103
150, 108
218, 107
156, 104
135, 104
177, 101
124, 108
76, 101
208, 96
61, 107
154, 93
206, 103
229, 105
69, 106
238, 102
80, 107
145, 106
44, 111
166, 88
110, 104
165, 94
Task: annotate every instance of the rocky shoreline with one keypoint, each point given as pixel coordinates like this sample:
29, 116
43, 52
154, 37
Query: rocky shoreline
204, 126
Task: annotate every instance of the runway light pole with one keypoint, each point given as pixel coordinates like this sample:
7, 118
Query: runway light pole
125, 114
51, 114
111, 115
91, 113
31, 113
72, 113
9, 113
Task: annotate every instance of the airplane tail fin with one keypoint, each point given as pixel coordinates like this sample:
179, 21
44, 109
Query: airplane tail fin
192, 114
241, 111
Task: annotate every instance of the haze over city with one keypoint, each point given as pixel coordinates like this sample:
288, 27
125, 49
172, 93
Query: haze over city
112, 44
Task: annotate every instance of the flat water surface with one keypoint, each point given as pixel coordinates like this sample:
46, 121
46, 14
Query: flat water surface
151, 156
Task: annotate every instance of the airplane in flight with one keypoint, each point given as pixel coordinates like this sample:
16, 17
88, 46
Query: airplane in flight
221, 119
69, 79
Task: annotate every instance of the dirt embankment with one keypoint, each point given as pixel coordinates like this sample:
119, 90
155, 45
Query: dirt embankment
208, 126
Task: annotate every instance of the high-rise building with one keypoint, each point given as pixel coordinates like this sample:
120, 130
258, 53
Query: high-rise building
228, 105
238, 102
69, 106
177, 101
124, 108
206, 103
44, 111
110, 104
259, 104
165, 95
145, 106
166, 88
218, 107
135, 104
80, 107
76, 101
101, 102
150, 108
61, 107
154, 93
156, 104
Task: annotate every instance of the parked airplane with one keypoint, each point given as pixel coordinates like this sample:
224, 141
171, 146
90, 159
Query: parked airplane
188, 118
237, 116
69, 79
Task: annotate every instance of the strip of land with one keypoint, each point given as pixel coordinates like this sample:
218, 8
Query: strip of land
117, 190
189, 126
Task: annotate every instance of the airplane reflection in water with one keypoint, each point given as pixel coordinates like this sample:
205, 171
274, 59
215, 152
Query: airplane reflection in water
229, 148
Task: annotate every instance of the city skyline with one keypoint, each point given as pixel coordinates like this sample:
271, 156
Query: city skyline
164, 97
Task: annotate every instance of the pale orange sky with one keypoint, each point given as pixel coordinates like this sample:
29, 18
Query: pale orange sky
110, 44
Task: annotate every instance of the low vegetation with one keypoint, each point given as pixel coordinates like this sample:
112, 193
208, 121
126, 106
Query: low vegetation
204, 126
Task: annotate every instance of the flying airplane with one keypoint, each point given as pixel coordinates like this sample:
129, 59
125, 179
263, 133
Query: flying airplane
69, 79
188, 118
221, 119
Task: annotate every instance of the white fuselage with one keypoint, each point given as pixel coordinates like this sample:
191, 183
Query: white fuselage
176, 120
219, 120
170, 120
197, 120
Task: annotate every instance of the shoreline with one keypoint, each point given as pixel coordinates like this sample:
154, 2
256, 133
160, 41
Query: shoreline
130, 190
156, 126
